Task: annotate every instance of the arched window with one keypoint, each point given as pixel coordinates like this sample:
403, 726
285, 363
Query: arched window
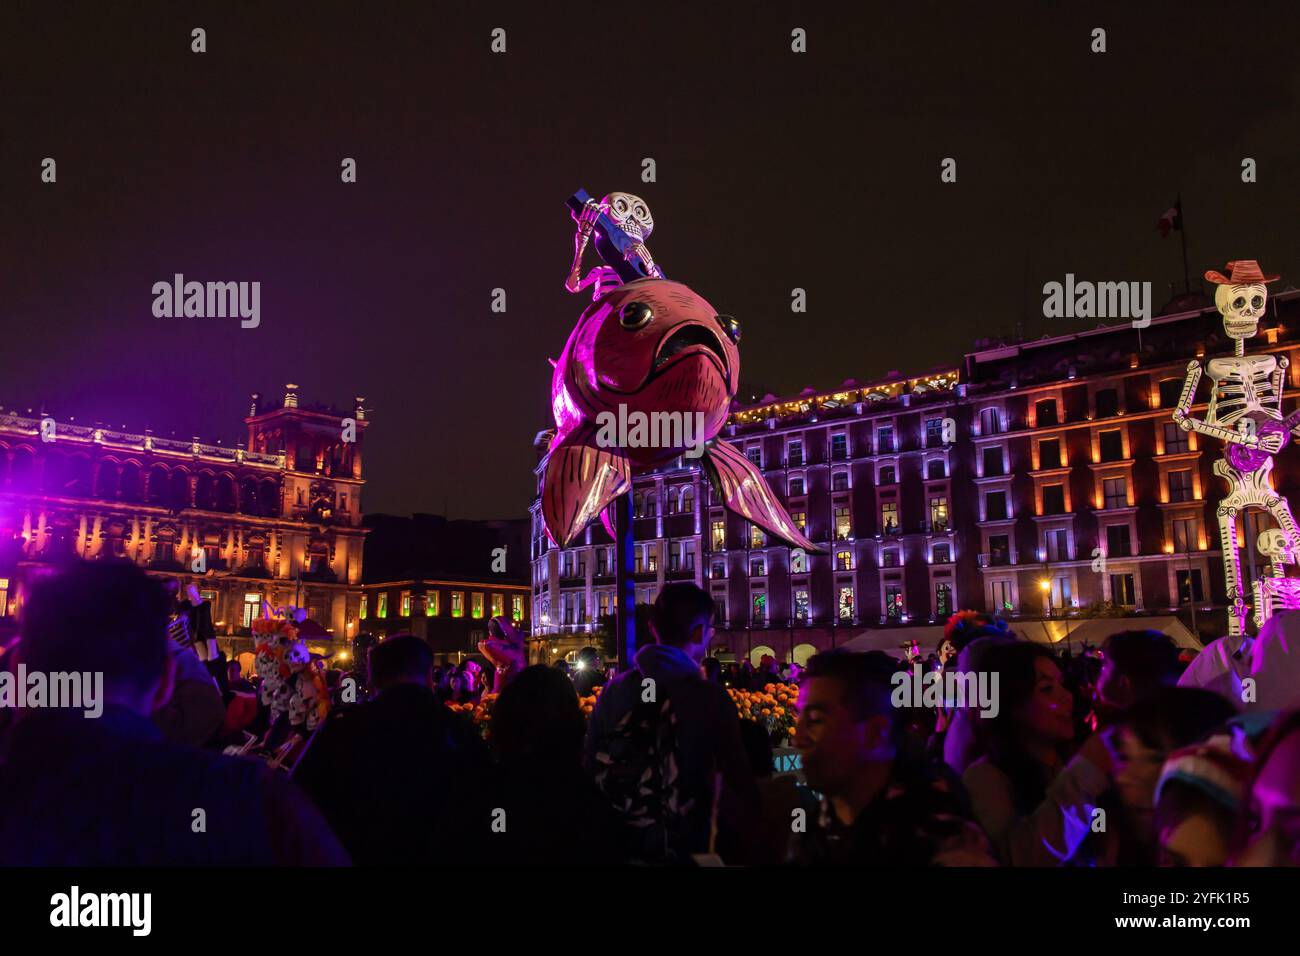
106, 480
178, 492
226, 494
129, 483
159, 482
205, 492
268, 498
688, 500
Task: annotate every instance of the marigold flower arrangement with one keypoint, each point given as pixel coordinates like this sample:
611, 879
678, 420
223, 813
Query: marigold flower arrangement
775, 707
481, 713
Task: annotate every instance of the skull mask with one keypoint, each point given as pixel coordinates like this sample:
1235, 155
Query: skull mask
1241, 307
631, 214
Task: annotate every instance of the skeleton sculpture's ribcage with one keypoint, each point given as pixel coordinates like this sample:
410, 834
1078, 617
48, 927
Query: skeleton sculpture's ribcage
1247, 390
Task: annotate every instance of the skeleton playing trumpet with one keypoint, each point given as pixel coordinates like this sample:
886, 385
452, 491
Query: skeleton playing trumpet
1245, 413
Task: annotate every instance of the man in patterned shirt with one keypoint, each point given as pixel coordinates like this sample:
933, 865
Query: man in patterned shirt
880, 805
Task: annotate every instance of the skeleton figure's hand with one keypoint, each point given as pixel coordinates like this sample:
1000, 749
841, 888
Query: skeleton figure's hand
1271, 443
591, 211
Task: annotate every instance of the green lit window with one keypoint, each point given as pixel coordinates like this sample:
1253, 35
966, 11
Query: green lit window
498, 605
457, 603
431, 604
382, 610
517, 607
476, 604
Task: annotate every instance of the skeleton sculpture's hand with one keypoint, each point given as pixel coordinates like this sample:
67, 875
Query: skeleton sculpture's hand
586, 220
1271, 443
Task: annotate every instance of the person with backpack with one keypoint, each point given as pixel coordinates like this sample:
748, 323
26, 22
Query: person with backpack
664, 745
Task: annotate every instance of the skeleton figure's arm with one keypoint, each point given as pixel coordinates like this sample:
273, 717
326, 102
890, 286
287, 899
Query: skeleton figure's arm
1183, 413
601, 275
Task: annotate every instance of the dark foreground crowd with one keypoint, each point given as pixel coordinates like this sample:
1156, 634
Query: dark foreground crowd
1094, 760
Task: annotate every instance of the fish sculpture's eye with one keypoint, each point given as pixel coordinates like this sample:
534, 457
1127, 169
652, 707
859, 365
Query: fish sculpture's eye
731, 325
635, 315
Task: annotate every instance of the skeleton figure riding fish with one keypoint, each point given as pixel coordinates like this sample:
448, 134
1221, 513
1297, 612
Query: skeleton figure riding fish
646, 347
1245, 413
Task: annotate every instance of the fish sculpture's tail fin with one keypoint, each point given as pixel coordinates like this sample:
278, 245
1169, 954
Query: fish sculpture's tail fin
580, 480
743, 491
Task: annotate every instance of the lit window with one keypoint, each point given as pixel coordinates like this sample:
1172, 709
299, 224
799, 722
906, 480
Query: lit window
431, 603
757, 568
800, 519
457, 603
4, 596
844, 560
756, 537
802, 608
939, 513
845, 604
476, 604
942, 600
719, 532
252, 608
498, 605
517, 607
383, 604
894, 602
406, 604
889, 517
365, 606
842, 529
760, 607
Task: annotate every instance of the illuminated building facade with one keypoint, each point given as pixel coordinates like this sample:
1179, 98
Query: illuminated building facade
1036, 479
277, 518
443, 580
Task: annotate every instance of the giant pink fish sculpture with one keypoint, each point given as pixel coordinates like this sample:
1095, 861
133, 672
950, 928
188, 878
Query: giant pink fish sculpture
648, 374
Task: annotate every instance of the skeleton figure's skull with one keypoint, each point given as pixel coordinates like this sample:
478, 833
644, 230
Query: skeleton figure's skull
631, 214
1275, 546
1241, 307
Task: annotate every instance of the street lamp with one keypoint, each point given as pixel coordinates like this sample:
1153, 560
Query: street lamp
1045, 586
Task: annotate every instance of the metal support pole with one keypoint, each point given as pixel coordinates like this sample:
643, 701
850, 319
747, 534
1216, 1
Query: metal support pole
625, 586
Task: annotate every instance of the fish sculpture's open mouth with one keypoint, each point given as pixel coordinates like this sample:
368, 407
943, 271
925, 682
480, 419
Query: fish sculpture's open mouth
690, 339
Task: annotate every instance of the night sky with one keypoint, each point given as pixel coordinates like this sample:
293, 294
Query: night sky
774, 171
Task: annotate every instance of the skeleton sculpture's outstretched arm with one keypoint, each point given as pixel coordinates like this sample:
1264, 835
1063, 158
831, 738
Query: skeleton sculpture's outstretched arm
601, 275
1183, 414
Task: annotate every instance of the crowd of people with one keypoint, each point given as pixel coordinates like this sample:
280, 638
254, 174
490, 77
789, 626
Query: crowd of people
1121, 755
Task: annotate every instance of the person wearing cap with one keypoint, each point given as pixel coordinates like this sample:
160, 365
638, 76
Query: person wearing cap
1199, 794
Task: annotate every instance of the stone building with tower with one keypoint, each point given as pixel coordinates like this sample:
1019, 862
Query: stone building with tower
277, 518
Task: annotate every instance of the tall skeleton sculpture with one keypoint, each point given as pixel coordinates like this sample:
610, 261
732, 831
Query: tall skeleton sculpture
1245, 413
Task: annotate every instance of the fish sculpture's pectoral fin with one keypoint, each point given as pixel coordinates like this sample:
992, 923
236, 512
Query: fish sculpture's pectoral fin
743, 491
580, 481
